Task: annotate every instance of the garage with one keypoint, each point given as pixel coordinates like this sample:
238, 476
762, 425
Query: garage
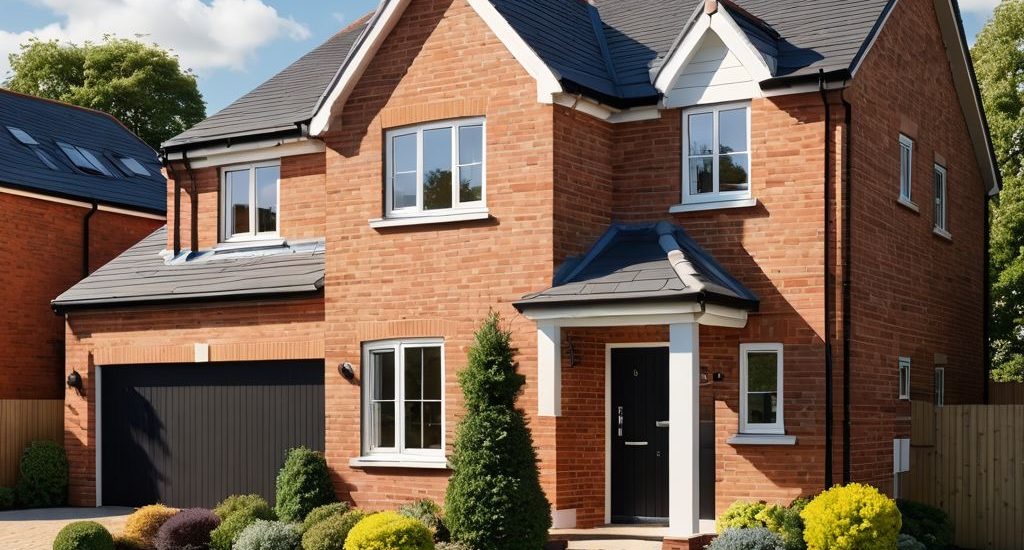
189, 435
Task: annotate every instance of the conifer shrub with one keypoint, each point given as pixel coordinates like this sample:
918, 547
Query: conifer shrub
303, 484
268, 535
851, 517
42, 476
747, 538
187, 530
321, 513
331, 533
237, 503
494, 499
236, 513
428, 513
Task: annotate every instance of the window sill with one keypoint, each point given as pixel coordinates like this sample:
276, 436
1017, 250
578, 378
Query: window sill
762, 439
429, 219
426, 463
939, 232
908, 204
716, 205
255, 243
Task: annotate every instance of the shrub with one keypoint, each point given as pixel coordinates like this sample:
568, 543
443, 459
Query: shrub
330, 533
141, 526
187, 530
741, 515
321, 513
83, 535
268, 535
389, 531
452, 546
225, 535
238, 503
6, 498
785, 522
854, 517
303, 484
122, 542
43, 476
494, 499
429, 513
929, 525
747, 538
908, 542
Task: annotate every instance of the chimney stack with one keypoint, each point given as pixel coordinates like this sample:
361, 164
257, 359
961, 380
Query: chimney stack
710, 6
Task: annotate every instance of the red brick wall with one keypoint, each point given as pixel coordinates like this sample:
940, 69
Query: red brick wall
584, 176
41, 252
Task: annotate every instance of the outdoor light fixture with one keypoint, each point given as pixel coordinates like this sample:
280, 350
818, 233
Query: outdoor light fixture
347, 372
572, 353
75, 381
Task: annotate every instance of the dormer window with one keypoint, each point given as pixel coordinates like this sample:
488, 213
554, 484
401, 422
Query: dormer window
716, 154
249, 197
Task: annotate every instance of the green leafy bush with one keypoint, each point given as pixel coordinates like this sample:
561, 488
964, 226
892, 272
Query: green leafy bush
389, 531
908, 542
785, 521
6, 498
929, 525
330, 533
268, 535
237, 503
303, 484
747, 538
187, 530
43, 476
741, 515
494, 499
236, 513
452, 546
429, 513
142, 525
83, 535
321, 513
854, 517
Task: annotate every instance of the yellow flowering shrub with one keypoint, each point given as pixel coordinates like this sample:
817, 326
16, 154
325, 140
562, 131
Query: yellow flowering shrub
854, 517
389, 531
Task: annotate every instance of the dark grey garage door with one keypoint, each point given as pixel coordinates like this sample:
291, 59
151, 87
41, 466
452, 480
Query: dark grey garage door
189, 435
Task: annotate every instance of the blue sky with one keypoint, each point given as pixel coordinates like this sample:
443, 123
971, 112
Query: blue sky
233, 45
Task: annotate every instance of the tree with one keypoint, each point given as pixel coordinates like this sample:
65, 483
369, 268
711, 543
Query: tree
494, 499
999, 64
142, 85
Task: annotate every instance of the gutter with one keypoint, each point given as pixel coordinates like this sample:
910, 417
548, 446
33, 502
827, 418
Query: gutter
85, 238
829, 307
209, 299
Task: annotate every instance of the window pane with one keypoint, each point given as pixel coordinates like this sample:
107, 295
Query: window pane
238, 201
762, 372
432, 425
404, 153
437, 169
701, 130
266, 198
732, 173
383, 375
471, 183
701, 176
761, 408
732, 131
413, 373
432, 373
414, 425
471, 145
383, 425
404, 193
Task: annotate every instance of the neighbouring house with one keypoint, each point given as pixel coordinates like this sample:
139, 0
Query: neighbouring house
731, 239
77, 188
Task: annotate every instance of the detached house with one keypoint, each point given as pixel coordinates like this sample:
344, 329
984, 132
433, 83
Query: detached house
732, 239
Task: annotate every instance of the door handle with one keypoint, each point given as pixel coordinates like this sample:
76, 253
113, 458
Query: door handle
636, 443
661, 424
620, 421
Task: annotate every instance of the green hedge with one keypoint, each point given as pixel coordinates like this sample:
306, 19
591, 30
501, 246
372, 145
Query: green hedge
42, 476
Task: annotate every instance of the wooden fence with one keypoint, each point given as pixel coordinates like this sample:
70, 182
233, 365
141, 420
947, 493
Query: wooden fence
21, 422
969, 461
1005, 393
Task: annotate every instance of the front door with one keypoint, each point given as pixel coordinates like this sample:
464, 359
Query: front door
639, 425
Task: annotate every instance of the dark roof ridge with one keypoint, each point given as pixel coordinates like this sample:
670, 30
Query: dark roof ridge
754, 20
602, 43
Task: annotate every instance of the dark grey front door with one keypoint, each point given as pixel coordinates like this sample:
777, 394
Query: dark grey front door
639, 438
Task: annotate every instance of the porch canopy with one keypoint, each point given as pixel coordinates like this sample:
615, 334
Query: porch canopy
640, 275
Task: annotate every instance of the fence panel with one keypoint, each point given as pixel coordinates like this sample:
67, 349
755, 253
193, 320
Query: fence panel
1005, 393
21, 422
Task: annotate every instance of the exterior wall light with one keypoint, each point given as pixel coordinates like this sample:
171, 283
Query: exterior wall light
75, 382
347, 372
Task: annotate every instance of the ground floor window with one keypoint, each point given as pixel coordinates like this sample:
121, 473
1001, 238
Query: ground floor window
761, 410
904, 378
403, 398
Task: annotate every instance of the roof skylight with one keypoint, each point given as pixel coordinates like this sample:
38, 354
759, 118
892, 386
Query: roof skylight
83, 159
134, 165
22, 136
43, 156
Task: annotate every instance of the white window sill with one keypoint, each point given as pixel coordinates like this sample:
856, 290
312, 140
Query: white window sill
716, 205
908, 204
254, 243
762, 439
940, 232
424, 463
428, 219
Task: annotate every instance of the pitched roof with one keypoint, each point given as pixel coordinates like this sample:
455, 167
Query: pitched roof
281, 103
50, 122
141, 275
648, 262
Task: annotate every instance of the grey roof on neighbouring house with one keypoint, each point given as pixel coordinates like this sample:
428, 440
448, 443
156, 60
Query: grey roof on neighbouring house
142, 275
49, 122
281, 103
637, 263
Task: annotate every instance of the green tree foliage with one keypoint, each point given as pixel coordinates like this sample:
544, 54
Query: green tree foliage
142, 85
999, 63
494, 498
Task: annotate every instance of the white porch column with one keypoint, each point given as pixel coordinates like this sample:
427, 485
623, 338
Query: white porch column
684, 426
549, 369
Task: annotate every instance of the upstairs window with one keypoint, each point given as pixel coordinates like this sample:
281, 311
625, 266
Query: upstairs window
761, 389
436, 168
716, 163
249, 195
906, 168
941, 214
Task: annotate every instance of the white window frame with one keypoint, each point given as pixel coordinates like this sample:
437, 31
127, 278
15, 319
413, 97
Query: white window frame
904, 378
716, 195
253, 234
457, 206
399, 453
940, 386
941, 203
779, 426
906, 169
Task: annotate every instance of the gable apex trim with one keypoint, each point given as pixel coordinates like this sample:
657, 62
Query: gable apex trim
384, 22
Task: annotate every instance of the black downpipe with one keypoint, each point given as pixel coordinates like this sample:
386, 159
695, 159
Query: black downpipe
176, 230
85, 239
829, 397
847, 240
193, 204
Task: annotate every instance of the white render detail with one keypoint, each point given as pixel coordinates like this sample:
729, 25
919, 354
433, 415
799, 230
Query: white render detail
549, 369
684, 430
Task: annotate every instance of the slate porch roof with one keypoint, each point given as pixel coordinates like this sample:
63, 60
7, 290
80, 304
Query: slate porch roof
651, 262
142, 276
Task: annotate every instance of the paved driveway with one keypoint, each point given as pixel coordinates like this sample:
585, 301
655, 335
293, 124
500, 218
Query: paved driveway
36, 529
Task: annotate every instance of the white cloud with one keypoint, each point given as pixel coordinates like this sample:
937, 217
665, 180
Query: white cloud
985, 6
205, 34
